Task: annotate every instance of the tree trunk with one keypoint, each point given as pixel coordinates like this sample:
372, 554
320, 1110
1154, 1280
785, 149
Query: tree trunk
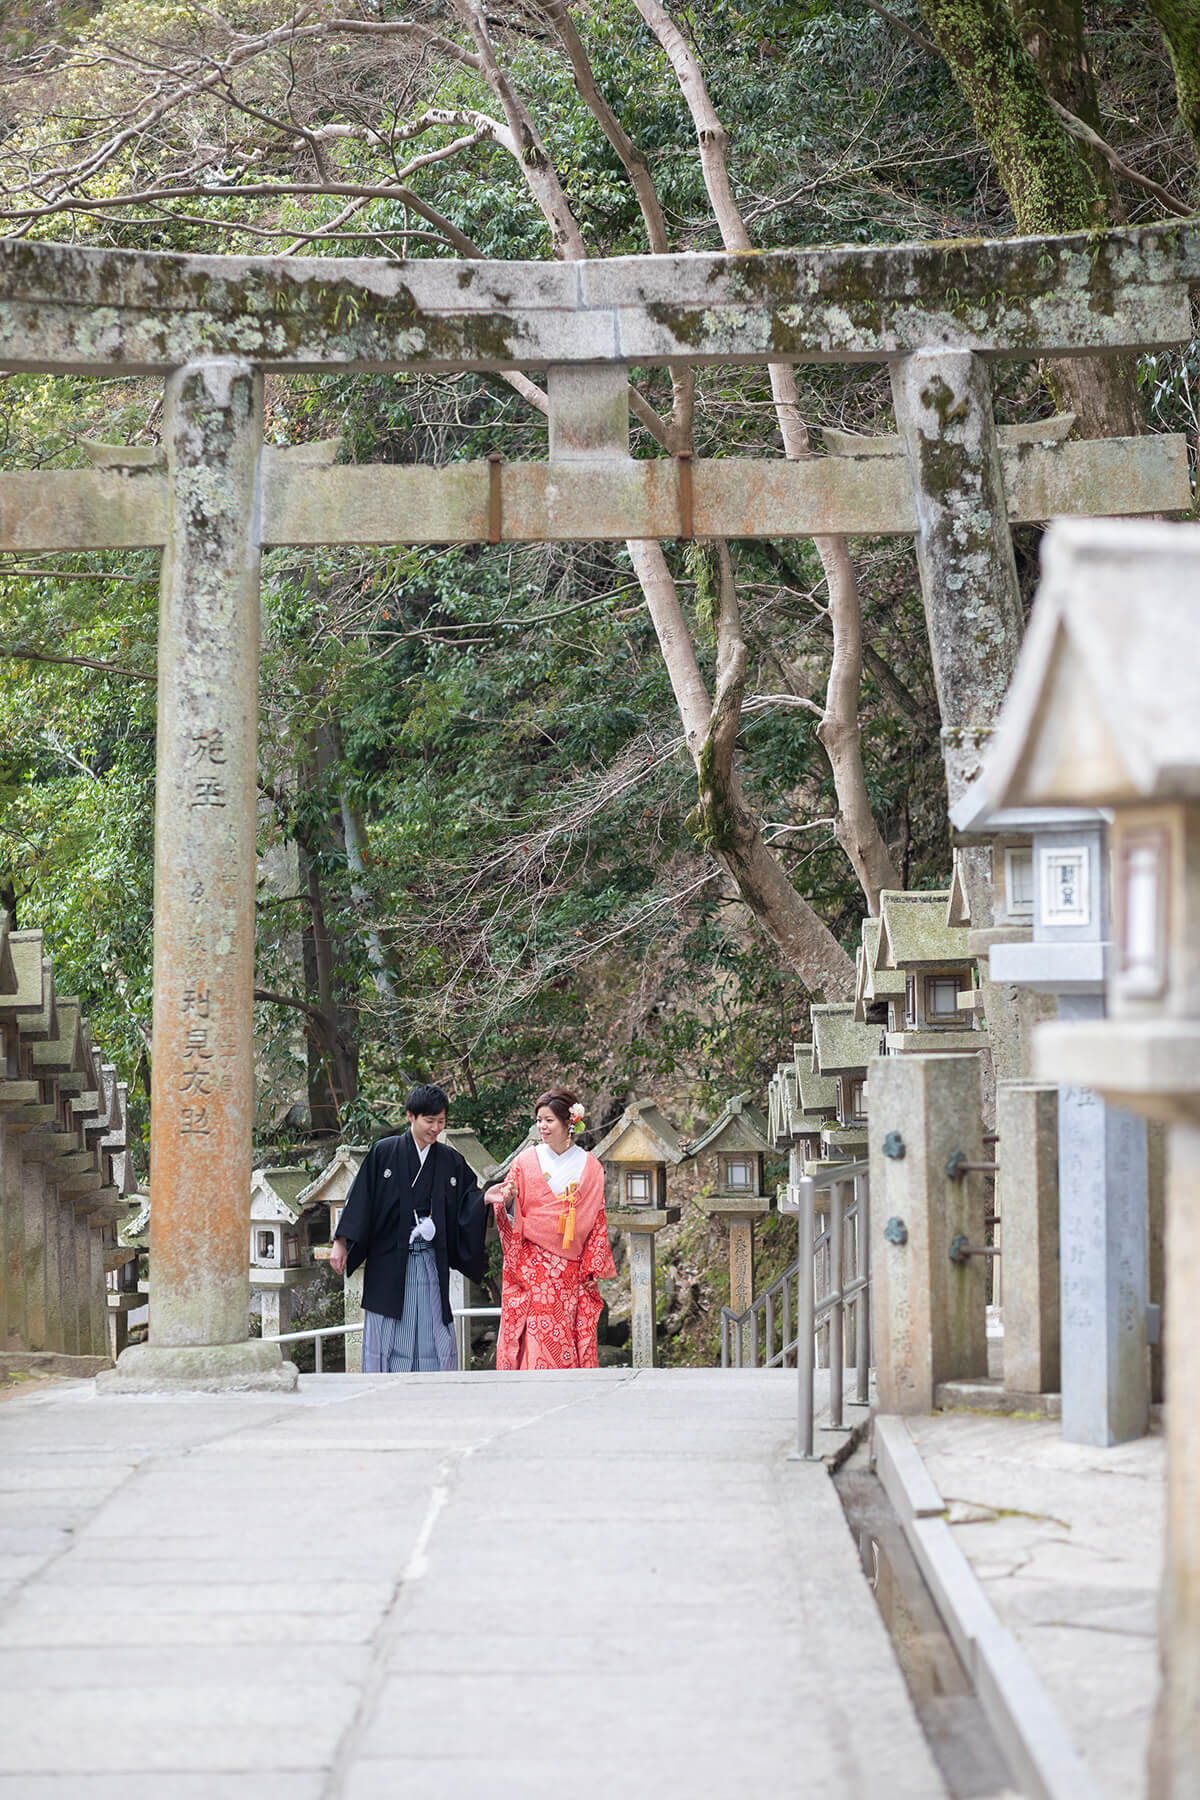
723, 822
1047, 175
329, 1030
1180, 21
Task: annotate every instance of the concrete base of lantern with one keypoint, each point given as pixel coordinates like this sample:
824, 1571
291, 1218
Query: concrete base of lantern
251, 1366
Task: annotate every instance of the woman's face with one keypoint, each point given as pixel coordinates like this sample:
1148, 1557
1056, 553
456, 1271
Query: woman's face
553, 1133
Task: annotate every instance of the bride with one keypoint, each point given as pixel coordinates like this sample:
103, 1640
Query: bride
554, 1236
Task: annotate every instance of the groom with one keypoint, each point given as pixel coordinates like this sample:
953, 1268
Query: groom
414, 1213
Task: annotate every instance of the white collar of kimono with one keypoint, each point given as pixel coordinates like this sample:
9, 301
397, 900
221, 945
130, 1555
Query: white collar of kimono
561, 1171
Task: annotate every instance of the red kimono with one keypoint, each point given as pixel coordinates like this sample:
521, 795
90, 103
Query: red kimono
555, 1254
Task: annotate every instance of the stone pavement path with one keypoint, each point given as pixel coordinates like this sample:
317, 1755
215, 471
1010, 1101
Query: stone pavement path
575, 1584
1067, 1543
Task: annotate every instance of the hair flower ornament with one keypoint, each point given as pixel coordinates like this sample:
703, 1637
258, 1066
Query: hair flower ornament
577, 1117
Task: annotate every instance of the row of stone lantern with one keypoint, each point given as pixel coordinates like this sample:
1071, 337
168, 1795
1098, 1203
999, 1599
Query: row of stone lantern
66, 1283
1104, 713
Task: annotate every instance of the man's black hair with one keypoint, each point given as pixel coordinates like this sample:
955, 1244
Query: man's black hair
428, 1100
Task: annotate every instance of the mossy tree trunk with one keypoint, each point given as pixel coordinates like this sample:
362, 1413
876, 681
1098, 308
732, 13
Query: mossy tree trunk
1050, 182
1180, 21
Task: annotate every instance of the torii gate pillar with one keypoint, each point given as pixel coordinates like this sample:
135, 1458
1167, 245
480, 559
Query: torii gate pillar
202, 1100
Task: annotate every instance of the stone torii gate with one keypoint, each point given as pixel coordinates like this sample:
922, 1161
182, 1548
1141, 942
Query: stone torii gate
211, 327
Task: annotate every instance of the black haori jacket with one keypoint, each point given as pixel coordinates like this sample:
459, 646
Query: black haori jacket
378, 1218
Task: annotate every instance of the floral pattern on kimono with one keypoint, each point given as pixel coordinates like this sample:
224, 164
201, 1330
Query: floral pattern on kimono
550, 1305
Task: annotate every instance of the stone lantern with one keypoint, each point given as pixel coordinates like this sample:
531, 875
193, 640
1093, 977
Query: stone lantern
1104, 711
331, 1189
915, 941
281, 1258
737, 1146
842, 1049
636, 1154
1091, 1333
879, 992
817, 1103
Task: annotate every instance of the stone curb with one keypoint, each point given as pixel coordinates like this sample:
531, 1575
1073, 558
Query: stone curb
1044, 1761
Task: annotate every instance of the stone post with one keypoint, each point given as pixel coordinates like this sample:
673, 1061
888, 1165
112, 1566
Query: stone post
741, 1216
38, 1265
460, 1297
972, 599
643, 1331
741, 1261
352, 1314
1174, 1759
83, 1266
276, 1311
47, 1196
68, 1272
97, 1289
12, 1247
642, 1225
929, 1313
1156, 1221
1102, 1161
203, 1084
1027, 1203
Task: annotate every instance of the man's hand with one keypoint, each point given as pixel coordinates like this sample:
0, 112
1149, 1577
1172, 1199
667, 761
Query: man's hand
338, 1255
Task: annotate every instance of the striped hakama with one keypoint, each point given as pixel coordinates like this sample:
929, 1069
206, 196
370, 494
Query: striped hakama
419, 1340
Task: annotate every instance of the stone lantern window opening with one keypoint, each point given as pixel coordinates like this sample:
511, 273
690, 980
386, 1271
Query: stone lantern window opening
1142, 913
856, 1099
910, 1000
737, 1173
639, 1187
266, 1250
1018, 882
941, 997
291, 1249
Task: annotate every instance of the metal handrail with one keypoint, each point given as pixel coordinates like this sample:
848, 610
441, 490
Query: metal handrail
320, 1332
815, 1313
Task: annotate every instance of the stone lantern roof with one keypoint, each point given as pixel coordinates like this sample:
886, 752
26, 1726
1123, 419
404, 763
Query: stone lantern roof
480, 1161
914, 933
739, 1127
335, 1178
874, 985
641, 1135
276, 1193
841, 1046
1102, 708
818, 1093
783, 1103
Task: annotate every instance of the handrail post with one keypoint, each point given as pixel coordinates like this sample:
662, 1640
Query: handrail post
786, 1337
769, 1330
318, 1363
802, 1188
862, 1306
724, 1339
837, 1347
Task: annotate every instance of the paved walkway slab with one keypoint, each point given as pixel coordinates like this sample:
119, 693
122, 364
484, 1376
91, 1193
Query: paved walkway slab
581, 1584
1067, 1542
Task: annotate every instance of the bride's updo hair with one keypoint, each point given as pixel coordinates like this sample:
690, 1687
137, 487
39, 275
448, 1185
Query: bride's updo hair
559, 1101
